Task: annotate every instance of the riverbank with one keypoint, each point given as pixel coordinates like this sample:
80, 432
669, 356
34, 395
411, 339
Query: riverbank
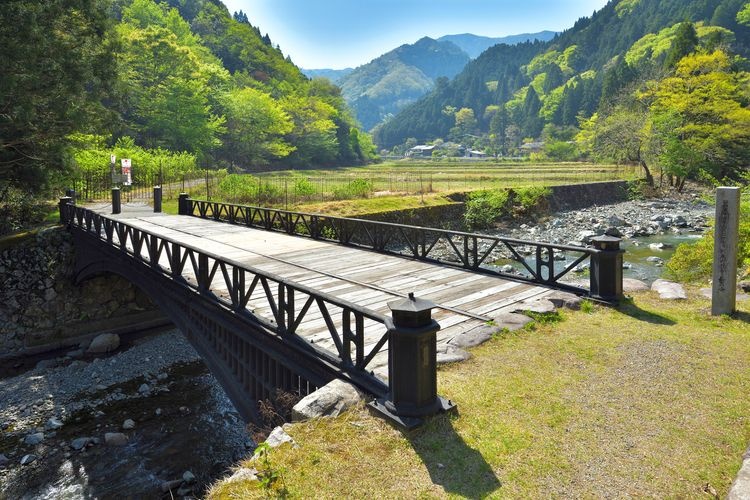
55, 421
648, 399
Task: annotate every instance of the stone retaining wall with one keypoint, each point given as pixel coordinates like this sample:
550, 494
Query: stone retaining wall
568, 197
575, 196
40, 306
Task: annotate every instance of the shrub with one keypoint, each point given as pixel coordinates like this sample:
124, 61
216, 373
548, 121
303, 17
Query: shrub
303, 188
532, 199
694, 262
20, 209
484, 207
358, 188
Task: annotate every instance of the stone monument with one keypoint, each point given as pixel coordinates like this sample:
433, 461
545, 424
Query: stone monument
726, 238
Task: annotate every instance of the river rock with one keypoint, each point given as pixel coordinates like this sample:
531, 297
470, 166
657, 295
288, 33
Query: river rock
565, 299
128, 424
278, 436
188, 477
633, 285
669, 290
115, 439
34, 439
105, 342
585, 236
539, 306
27, 459
330, 400
451, 354
474, 336
744, 286
53, 423
80, 443
3, 460
511, 321
170, 485
46, 364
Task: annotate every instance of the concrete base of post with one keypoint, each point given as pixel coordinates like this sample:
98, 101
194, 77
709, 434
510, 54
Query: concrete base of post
382, 408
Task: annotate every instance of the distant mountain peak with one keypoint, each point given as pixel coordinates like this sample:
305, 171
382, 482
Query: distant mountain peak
476, 44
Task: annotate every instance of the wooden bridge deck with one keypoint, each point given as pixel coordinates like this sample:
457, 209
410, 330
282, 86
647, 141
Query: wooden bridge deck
465, 300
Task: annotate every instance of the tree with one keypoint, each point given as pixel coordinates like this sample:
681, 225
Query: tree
256, 126
56, 62
743, 16
702, 119
684, 43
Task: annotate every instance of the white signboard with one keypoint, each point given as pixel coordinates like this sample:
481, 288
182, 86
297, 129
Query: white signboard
112, 158
126, 172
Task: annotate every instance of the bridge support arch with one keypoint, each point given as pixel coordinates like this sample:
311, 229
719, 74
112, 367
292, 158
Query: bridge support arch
249, 362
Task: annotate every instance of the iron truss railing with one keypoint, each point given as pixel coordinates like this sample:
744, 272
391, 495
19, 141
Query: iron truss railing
541, 263
278, 304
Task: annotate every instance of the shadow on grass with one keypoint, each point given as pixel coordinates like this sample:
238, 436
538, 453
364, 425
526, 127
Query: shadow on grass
452, 464
741, 316
629, 308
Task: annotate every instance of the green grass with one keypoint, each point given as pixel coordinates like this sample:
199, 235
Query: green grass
649, 399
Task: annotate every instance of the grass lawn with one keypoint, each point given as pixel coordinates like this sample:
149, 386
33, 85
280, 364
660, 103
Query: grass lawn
649, 399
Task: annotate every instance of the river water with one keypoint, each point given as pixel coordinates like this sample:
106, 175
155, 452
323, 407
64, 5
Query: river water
191, 426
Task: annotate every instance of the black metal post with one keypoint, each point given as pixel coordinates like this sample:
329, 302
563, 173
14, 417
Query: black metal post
64, 202
183, 204
116, 205
157, 199
606, 269
412, 365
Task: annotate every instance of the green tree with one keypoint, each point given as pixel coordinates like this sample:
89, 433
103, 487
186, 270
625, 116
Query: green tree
743, 16
702, 119
684, 43
56, 61
256, 126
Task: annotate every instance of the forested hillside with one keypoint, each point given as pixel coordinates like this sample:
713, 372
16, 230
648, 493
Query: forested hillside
182, 81
394, 80
631, 66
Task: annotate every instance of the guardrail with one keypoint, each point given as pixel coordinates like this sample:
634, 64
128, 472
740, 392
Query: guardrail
234, 284
542, 263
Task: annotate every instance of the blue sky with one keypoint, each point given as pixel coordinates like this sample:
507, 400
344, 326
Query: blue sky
341, 33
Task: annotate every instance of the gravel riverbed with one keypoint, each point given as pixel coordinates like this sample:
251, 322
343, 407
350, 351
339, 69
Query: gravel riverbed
136, 421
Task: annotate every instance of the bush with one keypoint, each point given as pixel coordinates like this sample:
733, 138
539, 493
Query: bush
532, 199
20, 209
244, 188
694, 262
484, 207
303, 188
359, 188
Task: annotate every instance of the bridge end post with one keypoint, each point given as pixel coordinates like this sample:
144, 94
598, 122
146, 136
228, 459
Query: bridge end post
183, 204
64, 202
606, 269
157, 199
116, 203
72, 193
412, 366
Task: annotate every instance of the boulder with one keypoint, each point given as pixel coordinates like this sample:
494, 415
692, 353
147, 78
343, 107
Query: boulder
473, 337
34, 439
27, 459
633, 285
278, 437
669, 290
511, 321
105, 342
540, 306
565, 299
53, 423
128, 424
80, 443
330, 400
115, 439
3, 460
450, 354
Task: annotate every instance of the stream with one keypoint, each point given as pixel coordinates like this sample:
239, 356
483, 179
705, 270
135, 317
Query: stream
187, 434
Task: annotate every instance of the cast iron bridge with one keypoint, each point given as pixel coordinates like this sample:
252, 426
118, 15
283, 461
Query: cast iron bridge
278, 300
